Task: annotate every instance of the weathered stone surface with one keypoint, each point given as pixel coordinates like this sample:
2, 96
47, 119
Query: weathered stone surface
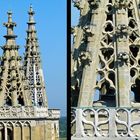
32, 64
105, 122
24, 113
109, 33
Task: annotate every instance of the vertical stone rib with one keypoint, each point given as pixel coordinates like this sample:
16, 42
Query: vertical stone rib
89, 72
122, 52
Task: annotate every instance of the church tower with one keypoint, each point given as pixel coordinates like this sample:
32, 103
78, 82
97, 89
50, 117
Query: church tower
105, 73
24, 113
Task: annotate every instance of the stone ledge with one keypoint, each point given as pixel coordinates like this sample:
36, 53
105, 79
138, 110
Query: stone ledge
105, 123
28, 112
105, 138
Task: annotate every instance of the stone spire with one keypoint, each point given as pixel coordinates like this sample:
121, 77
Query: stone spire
13, 88
33, 69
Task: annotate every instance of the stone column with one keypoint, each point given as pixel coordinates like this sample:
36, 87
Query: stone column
5, 132
112, 124
14, 133
89, 73
22, 132
122, 53
79, 127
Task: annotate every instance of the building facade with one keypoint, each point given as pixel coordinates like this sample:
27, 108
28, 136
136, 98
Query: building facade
105, 70
24, 112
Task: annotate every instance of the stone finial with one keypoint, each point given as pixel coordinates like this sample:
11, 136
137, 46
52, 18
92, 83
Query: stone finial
10, 22
31, 13
9, 16
10, 25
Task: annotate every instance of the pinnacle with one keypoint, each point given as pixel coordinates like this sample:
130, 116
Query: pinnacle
11, 71
9, 19
9, 25
9, 16
32, 64
31, 13
31, 7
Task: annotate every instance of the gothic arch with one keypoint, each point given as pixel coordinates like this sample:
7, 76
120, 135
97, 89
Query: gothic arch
18, 123
10, 130
18, 129
27, 130
10, 124
27, 123
137, 41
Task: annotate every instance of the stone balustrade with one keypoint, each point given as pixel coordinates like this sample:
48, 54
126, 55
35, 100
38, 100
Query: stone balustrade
106, 123
28, 112
54, 113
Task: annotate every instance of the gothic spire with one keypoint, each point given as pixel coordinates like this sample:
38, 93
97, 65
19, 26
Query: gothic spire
13, 88
32, 64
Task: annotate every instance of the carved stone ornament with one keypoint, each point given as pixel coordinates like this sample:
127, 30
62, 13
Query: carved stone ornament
122, 3
106, 92
79, 3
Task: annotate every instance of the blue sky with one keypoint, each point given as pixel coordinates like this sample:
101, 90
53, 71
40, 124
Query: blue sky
74, 15
50, 17
74, 19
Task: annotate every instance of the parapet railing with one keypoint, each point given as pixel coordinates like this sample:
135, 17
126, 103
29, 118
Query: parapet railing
28, 112
105, 122
53, 113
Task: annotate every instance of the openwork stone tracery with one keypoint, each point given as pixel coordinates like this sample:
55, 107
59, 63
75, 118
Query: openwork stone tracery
109, 33
32, 64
